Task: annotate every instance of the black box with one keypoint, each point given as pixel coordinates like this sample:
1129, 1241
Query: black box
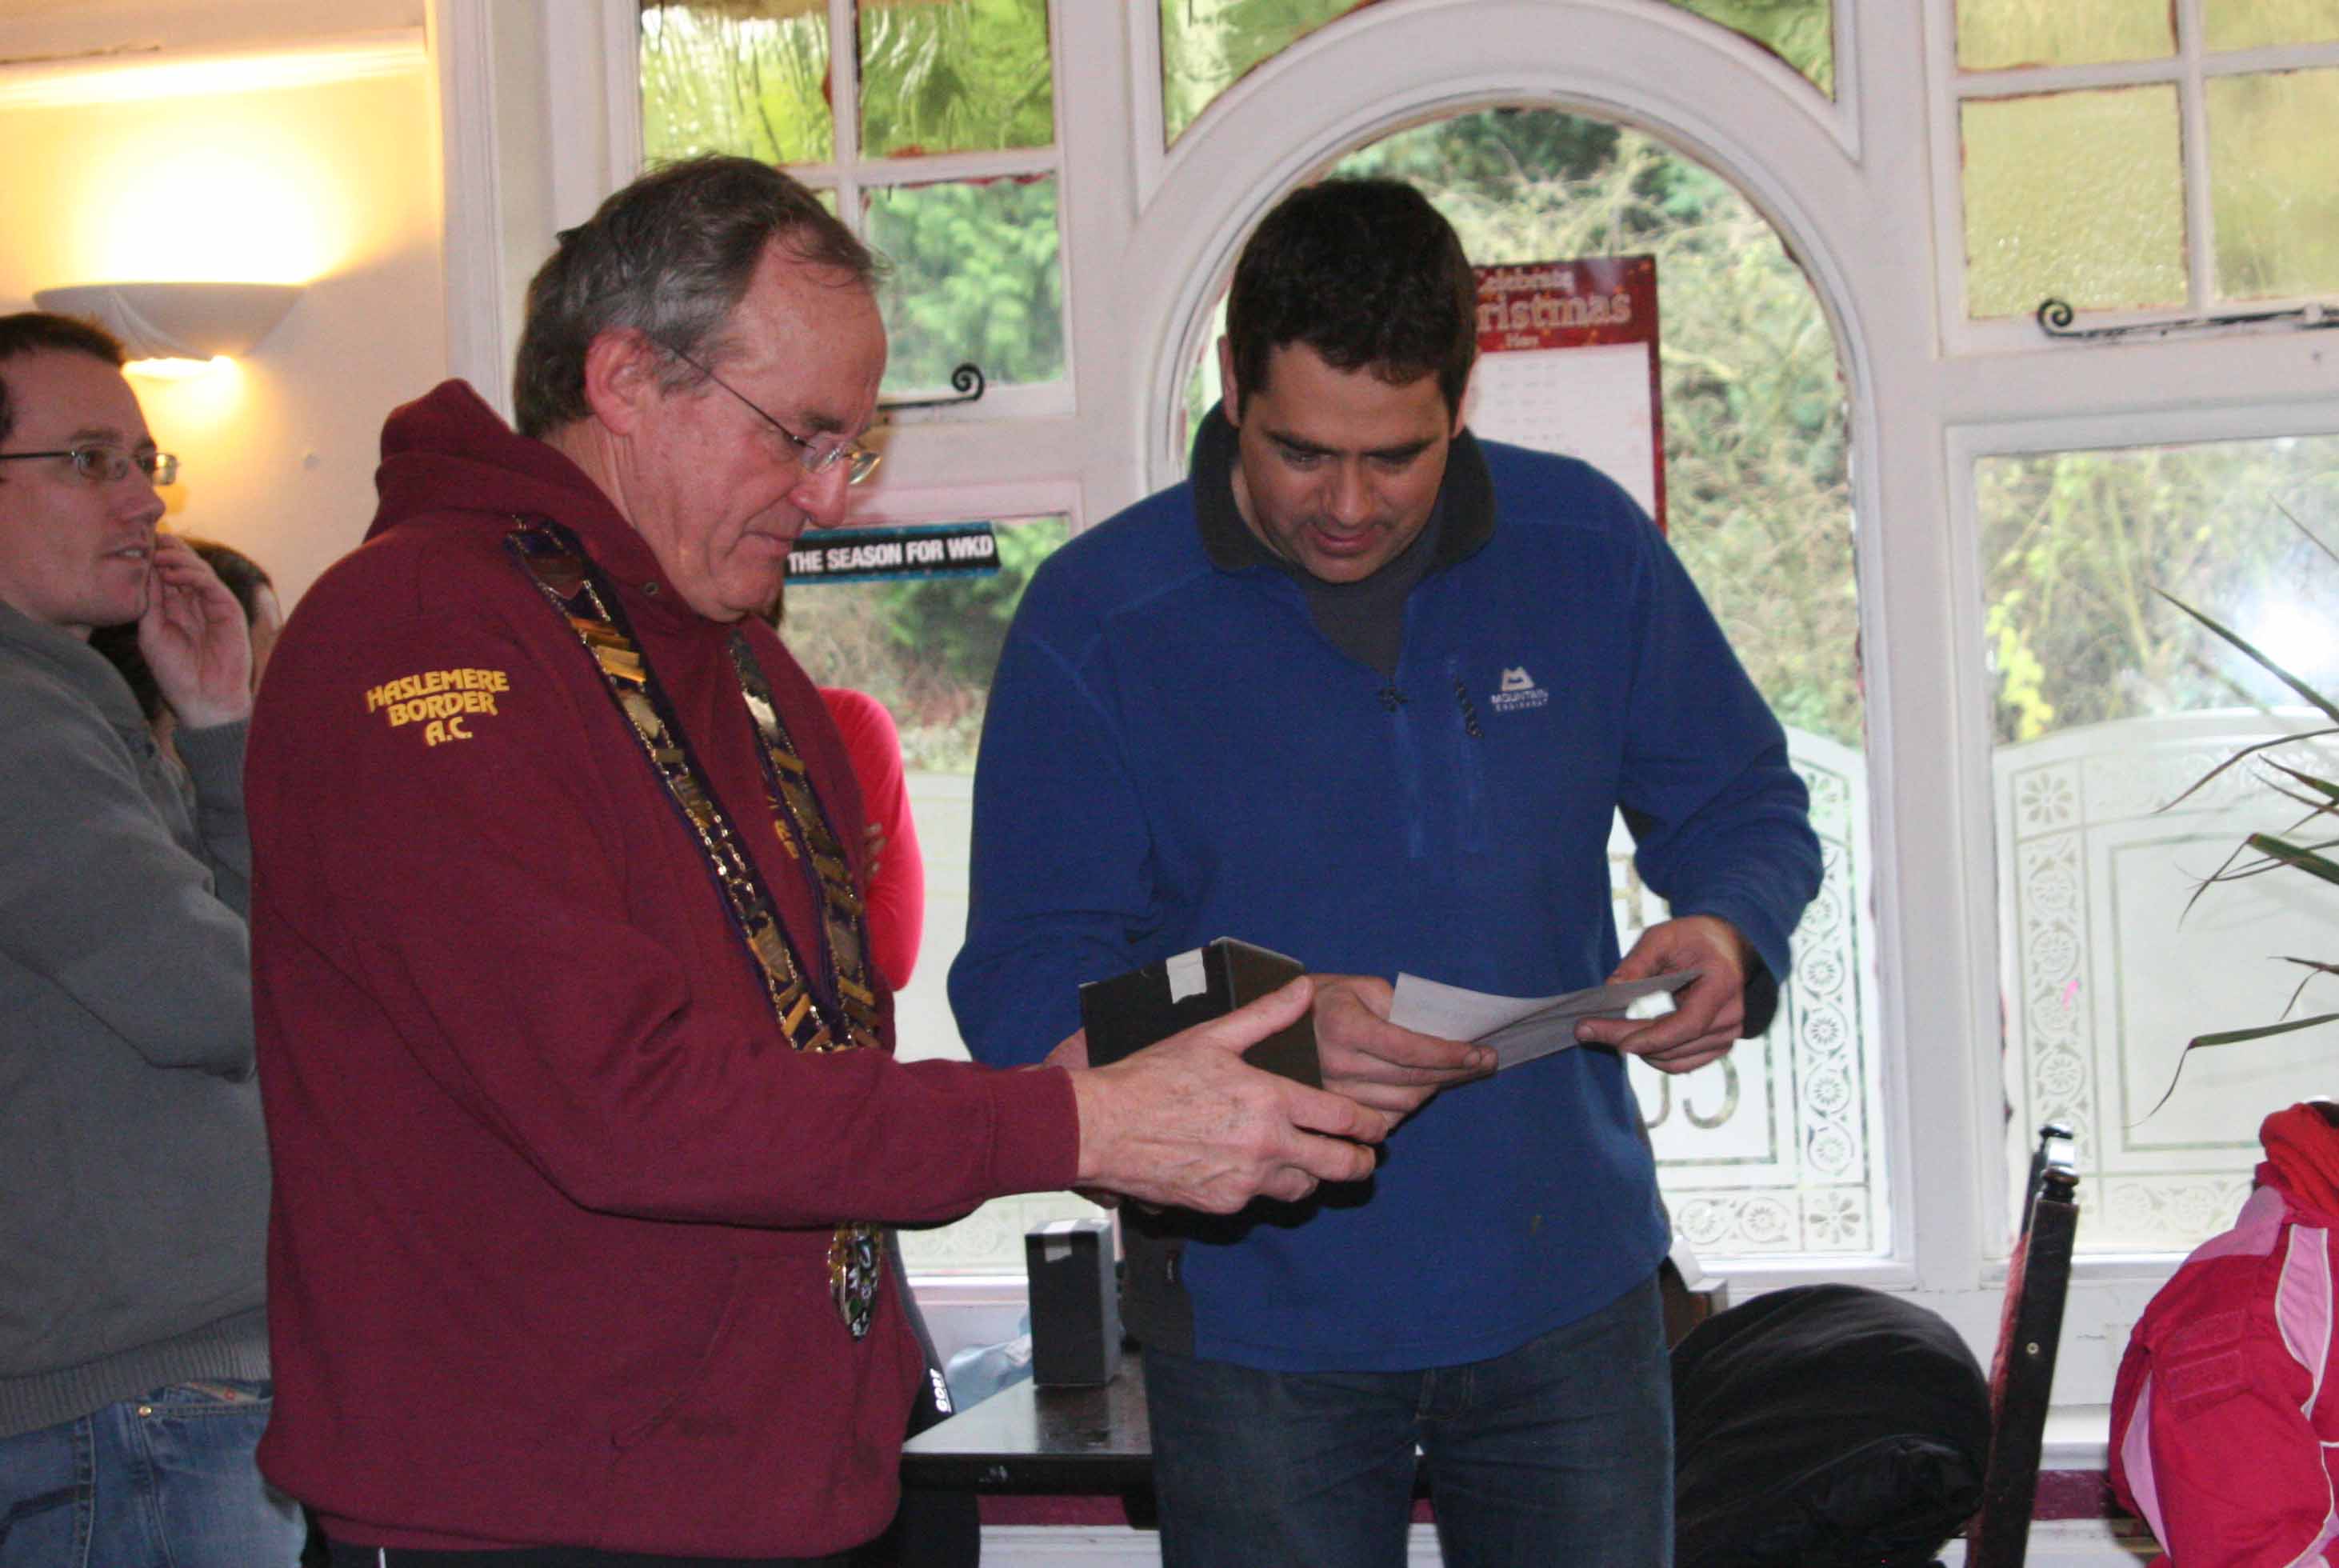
1145, 1006
1075, 1307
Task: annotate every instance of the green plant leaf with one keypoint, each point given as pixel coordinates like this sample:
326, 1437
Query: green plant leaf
2302, 857
2229, 1037
2256, 657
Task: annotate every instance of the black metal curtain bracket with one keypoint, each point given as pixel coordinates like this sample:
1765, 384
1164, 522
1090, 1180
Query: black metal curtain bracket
967, 381
2055, 318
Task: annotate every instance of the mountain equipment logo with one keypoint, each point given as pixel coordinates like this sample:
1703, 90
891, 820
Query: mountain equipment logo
1518, 691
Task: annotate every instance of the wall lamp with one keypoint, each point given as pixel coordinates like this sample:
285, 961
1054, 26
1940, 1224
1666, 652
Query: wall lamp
176, 330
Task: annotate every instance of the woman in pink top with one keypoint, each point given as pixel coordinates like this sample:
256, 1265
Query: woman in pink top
897, 876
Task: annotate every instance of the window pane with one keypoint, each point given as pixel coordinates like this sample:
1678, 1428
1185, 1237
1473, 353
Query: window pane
723, 79
1995, 34
975, 277
1770, 1152
959, 76
1209, 46
2099, 221
2110, 704
2274, 182
1800, 32
926, 650
2247, 24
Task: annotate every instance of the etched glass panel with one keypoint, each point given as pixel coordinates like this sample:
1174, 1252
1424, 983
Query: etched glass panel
1777, 1148
954, 77
975, 276
2109, 704
2274, 182
2251, 23
926, 650
1993, 34
2074, 196
736, 77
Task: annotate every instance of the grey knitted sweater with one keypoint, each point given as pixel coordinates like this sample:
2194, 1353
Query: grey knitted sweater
134, 1174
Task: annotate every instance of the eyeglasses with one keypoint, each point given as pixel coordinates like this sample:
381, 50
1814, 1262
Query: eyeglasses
815, 458
105, 465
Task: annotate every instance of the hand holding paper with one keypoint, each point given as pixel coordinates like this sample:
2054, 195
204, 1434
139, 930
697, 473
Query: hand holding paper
1520, 1028
1708, 1014
1381, 1064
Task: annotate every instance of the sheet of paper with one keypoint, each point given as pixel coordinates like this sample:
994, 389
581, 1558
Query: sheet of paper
1520, 1028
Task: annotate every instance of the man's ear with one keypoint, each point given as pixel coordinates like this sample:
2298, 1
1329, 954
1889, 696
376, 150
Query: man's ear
621, 379
1462, 404
1229, 390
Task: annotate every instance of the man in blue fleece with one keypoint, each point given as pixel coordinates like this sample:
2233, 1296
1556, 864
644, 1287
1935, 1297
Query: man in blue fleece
1369, 691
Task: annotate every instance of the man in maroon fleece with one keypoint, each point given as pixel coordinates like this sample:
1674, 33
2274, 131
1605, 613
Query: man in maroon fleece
579, 1089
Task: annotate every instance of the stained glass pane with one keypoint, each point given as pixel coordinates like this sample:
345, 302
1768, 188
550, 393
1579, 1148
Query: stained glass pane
2248, 24
975, 276
1800, 32
2274, 182
1209, 46
1993, 34
2075, 196
958, 76
731, 78
2111, 703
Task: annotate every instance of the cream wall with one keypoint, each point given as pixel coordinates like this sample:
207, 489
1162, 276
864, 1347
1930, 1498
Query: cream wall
334, 185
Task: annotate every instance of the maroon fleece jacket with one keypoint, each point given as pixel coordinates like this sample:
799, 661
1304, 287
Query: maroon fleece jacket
552, 1195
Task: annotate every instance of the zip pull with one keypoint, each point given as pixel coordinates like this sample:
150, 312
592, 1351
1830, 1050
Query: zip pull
1392, 698
1469, 711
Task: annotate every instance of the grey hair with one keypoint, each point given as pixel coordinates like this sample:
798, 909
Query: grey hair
669, 256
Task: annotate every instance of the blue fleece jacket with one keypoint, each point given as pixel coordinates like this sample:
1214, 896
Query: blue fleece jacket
1175, 752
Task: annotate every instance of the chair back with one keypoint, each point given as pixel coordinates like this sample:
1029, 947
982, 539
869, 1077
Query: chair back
2022, 1372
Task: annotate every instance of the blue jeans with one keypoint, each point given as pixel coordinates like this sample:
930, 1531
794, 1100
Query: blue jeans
163, 1482
1560, 1452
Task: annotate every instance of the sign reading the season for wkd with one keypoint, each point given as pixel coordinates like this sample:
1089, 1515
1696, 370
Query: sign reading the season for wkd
873, 555
1567, 363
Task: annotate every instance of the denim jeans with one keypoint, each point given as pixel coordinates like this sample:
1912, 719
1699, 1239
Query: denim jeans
1559, 1452
165, 1481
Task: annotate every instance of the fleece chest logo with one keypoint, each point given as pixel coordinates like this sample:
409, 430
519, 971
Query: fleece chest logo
444, 703
1518, 691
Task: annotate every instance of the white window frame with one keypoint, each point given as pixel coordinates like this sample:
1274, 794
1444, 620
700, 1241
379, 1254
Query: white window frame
1863, 190
2190, 68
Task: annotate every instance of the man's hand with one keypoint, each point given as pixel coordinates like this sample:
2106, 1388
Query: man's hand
1187, 1122
1708, 1012
195, 639
1375, 1062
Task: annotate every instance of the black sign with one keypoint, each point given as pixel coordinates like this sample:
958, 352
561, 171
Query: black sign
877, 554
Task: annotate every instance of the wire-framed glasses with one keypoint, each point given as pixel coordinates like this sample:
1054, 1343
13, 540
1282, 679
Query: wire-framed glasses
817, 457
102, 463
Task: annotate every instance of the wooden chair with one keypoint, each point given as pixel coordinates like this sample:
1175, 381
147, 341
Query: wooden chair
2022, 1372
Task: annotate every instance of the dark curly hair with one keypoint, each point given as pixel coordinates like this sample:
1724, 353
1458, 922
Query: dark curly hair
37, 332
1365, 272
670, 256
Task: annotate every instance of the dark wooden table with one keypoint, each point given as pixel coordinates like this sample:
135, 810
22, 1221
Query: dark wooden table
1067, 1441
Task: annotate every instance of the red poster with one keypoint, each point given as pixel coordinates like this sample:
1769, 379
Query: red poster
1568, 363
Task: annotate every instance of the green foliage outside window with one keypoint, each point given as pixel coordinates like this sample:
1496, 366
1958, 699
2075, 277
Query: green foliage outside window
975, 276
925, 649
2074, 544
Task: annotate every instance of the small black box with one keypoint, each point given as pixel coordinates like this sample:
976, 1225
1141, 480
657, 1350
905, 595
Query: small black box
1145, 1006
1075, 1308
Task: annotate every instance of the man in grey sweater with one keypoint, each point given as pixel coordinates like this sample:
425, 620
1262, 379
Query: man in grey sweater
133, 1179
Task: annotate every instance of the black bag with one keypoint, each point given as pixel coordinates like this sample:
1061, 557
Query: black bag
1824, 1426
